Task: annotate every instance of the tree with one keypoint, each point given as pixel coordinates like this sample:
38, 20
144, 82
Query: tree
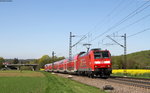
35, 61
117, 62
1, 62
58, 58
15, 61
43, 60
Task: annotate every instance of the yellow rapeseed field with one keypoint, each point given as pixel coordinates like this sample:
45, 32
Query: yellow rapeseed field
41, 69
131, 71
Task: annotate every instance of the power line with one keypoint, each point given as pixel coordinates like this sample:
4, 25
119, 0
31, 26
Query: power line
124, 19
132, 14
148, 29
124, 7
135, 11
124, 46
133, 23
79, 41
116, 7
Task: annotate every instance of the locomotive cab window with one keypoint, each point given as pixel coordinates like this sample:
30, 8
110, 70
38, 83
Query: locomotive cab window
97, 55
105, 54
101, 54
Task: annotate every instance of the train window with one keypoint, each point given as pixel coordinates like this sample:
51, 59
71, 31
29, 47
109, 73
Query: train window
97, 55
101, 54
105, 54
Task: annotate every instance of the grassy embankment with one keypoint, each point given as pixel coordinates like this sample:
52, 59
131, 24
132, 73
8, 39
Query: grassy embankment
40, 82
139, 73
137, 60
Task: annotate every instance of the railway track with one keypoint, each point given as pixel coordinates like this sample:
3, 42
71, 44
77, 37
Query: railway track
137, 82
119, 85
130, 78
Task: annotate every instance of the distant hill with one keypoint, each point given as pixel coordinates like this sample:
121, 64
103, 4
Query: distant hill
134, 60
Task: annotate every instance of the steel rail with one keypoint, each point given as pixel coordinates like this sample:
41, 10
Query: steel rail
131, 81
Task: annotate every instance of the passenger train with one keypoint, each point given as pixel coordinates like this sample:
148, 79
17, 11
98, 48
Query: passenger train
95, 63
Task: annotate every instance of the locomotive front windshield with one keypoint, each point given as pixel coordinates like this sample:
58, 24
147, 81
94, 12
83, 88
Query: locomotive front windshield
101, 54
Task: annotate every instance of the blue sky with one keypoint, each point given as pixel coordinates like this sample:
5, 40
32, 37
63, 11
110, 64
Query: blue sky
33, 28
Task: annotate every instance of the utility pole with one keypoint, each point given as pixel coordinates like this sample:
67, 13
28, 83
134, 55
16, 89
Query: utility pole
53, 55
125, 50
70, 46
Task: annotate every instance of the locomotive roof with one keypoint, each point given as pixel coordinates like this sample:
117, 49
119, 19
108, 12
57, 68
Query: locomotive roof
96, 49
81, 53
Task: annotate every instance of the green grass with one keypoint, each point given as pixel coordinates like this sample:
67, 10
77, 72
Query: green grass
22, 84
20, 73
41, 82
62, 85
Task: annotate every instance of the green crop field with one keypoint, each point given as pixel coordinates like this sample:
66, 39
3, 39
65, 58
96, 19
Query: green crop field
40, 82
22, 82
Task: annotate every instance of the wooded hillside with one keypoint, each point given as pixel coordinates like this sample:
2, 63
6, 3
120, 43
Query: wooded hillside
134, 60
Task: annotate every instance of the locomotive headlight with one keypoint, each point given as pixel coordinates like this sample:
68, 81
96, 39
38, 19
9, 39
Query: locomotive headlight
97, 62
96, 66
106, 61
108, 65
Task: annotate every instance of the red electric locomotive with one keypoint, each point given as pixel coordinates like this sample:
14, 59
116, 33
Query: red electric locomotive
96, 62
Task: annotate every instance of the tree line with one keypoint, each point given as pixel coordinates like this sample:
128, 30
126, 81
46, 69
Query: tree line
137, 60
41, 61
45, 60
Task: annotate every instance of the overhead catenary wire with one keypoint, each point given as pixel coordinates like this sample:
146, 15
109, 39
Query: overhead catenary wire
123, 8
135, 12
79, 41
142, 31
116, 7
87, 34
133, 23
106, 17
144, 17
132, 14
147, 29
121, 3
